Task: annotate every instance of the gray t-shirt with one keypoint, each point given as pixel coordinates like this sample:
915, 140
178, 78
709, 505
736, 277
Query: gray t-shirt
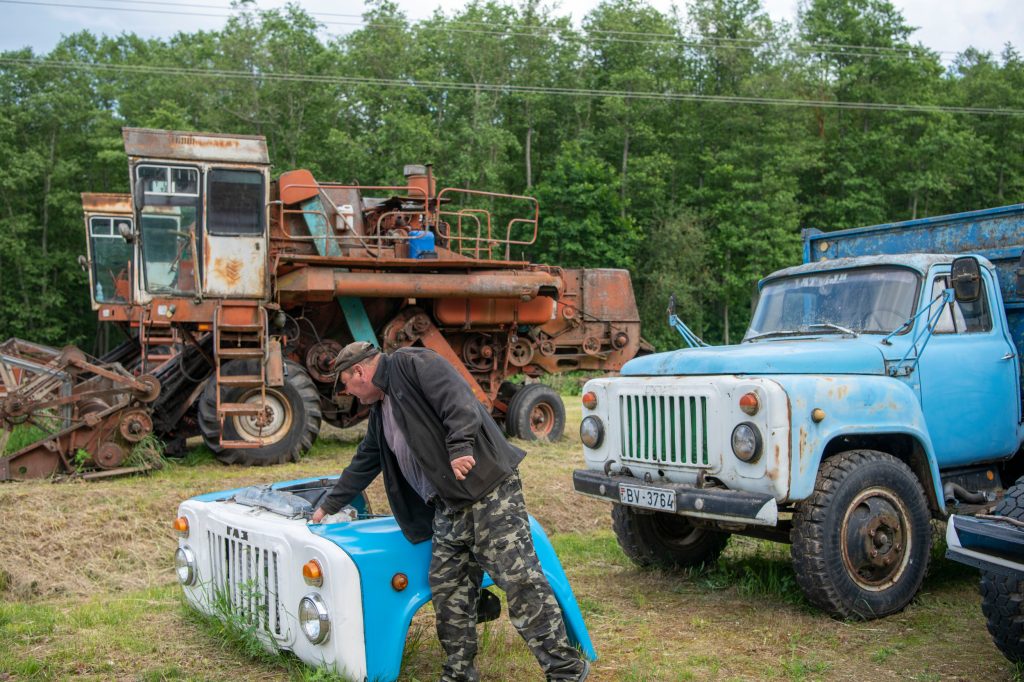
411, 469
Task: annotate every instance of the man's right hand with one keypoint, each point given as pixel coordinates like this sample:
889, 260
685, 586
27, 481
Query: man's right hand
318, 515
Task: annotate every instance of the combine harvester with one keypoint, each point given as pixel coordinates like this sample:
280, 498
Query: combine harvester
236, 293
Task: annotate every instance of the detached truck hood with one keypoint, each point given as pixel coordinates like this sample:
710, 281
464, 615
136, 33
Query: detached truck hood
819, 355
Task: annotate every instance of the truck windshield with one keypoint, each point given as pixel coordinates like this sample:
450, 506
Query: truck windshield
874, 300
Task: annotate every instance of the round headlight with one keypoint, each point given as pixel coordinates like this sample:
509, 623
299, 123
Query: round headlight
746, 442
313, 618
591, 432
185, 565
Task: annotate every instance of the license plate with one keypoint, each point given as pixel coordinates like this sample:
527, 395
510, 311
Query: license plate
648, 498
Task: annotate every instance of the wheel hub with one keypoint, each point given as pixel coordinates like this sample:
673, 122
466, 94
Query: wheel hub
270, 425
542, 418
875, 547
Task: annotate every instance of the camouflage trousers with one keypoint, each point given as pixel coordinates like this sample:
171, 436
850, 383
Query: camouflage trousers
493, 535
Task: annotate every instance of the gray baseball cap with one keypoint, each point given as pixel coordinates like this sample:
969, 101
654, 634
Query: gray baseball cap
354, 353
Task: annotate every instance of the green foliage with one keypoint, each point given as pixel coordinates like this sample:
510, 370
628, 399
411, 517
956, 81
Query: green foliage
696, 198
148, 452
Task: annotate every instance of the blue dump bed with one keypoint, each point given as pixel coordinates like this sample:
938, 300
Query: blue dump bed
995, 233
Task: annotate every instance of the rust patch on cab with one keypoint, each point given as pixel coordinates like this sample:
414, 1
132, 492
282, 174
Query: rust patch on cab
230, 269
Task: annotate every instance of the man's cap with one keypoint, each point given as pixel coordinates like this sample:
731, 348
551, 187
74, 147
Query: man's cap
353, 354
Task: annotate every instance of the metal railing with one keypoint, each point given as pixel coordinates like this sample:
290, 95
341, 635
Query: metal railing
467, 231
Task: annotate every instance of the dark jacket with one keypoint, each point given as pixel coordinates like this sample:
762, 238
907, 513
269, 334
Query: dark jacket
442, 420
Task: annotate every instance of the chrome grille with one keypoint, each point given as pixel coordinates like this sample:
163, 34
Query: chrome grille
245, 577
664, 429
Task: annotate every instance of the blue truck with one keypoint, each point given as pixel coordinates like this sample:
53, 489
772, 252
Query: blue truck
878, 387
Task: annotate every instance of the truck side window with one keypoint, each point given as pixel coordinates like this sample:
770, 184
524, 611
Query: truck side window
962, 318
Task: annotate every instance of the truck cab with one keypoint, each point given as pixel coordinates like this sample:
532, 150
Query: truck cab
867, 397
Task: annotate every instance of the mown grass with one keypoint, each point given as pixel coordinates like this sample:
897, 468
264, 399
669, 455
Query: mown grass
88, 592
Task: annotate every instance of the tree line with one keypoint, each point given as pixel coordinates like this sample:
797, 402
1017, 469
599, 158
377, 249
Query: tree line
690, 147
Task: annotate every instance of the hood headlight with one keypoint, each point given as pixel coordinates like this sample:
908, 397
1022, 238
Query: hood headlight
591, 432
185, 565
313, 618
746, 442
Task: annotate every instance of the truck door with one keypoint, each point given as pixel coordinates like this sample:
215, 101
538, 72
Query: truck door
968, 381
235, 240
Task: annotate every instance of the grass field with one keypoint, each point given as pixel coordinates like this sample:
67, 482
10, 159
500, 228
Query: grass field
88, 592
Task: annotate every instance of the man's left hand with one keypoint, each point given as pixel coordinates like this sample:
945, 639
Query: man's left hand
462, 465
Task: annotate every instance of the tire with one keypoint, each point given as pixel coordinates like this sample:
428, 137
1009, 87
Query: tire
294, 410
880, 503
656, 539
1002, 596
536, 412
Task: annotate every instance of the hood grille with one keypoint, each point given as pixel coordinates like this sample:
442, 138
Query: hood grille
664, 429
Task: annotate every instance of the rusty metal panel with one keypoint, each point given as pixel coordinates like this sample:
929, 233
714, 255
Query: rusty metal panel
186, 146
235, 266
109, 204
608, 295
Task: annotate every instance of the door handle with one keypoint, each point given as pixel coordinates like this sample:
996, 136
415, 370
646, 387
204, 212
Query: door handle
1008, 356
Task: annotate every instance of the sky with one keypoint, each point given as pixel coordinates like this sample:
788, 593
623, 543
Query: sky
947, 26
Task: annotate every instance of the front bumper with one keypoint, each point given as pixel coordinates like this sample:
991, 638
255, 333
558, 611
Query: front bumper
706, 503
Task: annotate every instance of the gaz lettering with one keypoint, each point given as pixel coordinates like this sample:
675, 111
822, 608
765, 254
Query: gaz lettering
236, 533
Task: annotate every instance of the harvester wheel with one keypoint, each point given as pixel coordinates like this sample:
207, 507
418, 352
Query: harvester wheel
536, 412
287, 429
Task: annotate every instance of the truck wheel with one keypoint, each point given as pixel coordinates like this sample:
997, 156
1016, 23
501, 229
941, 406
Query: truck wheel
664, 540
1002, 596
536, 412
288, 430
861, 542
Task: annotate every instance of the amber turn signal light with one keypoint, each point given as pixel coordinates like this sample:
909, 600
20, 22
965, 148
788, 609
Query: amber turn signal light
312, 573
750, 404
399, 581
181, 525
590, 400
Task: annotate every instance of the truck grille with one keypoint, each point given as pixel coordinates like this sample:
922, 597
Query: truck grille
245, 577
665, 429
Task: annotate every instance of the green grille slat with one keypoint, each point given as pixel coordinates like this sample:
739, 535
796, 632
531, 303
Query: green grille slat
704, 426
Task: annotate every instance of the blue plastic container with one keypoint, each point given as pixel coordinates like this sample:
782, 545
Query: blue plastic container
421, 244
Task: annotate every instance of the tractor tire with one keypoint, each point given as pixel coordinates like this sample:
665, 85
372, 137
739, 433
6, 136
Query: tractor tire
536, 412
657, 539
294, 416
862, 541
1002, 596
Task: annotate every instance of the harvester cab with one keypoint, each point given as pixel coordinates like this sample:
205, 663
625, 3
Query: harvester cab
200, 205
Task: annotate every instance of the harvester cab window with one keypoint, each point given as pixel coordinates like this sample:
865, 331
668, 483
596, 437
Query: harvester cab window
234, 202
111, 260
169, 214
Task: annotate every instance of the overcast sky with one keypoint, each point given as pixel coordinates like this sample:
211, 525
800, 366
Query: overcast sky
948, 26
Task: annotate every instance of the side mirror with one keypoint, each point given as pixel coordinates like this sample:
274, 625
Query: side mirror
126, 232
83, 263
965, 275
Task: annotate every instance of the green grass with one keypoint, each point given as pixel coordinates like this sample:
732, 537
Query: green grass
22, 436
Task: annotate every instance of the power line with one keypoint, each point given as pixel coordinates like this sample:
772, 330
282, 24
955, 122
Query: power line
700, 42
507, 89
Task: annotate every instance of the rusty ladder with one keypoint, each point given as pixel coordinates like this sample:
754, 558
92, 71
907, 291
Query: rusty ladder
157, 335
240, 333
